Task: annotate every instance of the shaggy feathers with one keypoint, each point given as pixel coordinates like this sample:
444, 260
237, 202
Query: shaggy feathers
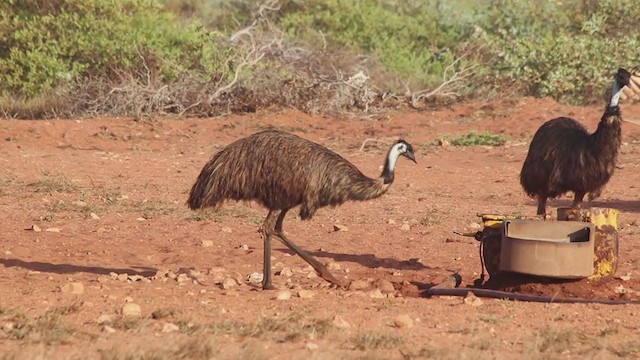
564, 156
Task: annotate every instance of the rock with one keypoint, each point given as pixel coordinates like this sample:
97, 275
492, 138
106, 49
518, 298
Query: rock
405, 227
472, 299
338, 227
385, 286
94, 216
391, 222
169, 327
403, 321
228, 283
375, 294
311, 346
332, 265
305, 294
182, 278
128, 299
207, 243
35, 228
53, 229
141, 219
8, 326
284, 295
75, 288
131, 309
108, 329
243, 247
255, 278
358, 285
626, 277
226, 229
123, 277
171, 275
340, 323
312, 275
286, 272
104, 319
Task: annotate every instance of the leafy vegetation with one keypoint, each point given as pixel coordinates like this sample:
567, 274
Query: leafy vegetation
196, 57
473, 138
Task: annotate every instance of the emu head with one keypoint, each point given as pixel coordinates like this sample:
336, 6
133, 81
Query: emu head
403, 148
623, 77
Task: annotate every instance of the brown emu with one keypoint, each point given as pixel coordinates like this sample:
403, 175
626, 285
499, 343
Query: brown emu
281, 171
564, 156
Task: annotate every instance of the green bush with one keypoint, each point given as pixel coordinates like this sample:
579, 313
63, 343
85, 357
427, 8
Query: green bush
50, 43
409, 39
552, 49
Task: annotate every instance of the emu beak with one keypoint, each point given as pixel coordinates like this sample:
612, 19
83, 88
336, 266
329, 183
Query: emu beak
410, 155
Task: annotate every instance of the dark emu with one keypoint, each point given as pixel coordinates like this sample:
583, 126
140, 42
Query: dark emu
564, 156
281, 171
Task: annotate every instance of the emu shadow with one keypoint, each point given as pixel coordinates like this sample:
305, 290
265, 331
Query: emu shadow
372, 261
70, 268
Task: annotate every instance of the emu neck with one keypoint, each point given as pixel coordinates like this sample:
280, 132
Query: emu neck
609, 134
389, 167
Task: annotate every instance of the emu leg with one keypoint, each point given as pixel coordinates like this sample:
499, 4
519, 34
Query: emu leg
267, 232
321, 269
542, 204
577, 200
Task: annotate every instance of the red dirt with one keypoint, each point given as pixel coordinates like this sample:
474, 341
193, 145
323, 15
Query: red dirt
135, 175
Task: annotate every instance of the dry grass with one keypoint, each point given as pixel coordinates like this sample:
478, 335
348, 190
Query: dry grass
374, 340
53, 183
46, 328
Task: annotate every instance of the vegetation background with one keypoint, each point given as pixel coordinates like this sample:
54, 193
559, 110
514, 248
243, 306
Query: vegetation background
83, 58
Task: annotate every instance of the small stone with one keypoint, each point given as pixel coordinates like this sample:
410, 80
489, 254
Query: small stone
340, 323
405, 227
8, 252
332, 265
305, 294
75, 288
128, 299
311, 346
131, 309
228, 283
141, 219
53, 229
338, 227
94, 216
169, 327
207, 243
286, 272
103, 279
182, 278
472, 299
243, 247
171, 275
36, 228
108, 329
375, 294
385, 286
312, 275
123, 277
8, 326
626, 277
255, 278
226, 229
104, 319
403, 321
391, 222
284, 295
358, 285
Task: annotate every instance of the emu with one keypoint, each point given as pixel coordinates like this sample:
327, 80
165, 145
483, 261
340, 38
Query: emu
564, 156
280, 171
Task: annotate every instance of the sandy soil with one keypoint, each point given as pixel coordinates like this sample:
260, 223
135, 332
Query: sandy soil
108, 196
